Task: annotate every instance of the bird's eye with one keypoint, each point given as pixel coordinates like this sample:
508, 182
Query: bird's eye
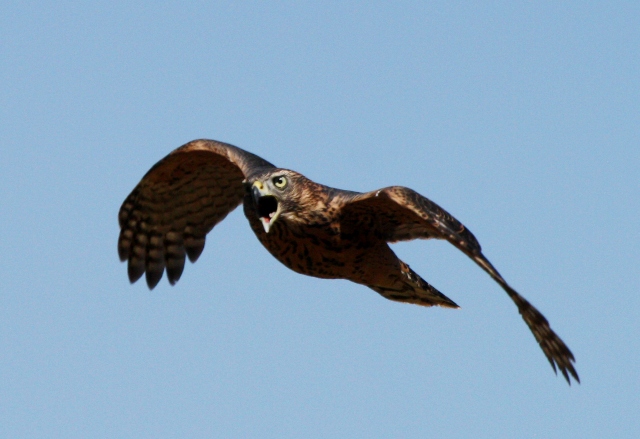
280, 182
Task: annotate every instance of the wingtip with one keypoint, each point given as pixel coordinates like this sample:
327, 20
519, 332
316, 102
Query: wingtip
567, 372
153, 278
135, 272
573, 373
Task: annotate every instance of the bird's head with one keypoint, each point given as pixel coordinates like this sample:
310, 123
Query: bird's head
276, 194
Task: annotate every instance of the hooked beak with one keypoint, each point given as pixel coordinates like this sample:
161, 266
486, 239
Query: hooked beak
266, 204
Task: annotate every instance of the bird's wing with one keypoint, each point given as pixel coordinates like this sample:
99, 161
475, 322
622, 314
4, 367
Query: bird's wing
398, 213
177, 203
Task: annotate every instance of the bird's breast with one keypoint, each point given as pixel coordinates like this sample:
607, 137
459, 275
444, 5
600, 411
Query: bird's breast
314, 249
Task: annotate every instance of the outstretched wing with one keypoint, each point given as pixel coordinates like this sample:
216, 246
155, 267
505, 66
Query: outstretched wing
398, 213
177, 203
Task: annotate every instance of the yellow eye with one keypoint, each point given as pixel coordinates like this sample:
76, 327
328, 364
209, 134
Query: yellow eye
280, 182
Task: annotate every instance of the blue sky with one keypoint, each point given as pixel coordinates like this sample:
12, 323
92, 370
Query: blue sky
521, 119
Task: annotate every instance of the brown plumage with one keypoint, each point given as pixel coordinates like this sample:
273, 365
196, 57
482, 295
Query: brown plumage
312, 229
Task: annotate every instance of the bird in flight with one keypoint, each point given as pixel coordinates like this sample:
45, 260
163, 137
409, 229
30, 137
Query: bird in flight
311, 228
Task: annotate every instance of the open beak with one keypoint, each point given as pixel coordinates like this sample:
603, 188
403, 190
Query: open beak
266, 204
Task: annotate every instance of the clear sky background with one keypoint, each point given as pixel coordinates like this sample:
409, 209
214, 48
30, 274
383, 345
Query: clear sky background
522, 120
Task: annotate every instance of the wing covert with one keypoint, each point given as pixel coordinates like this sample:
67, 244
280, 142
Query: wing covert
400, 214
179, 200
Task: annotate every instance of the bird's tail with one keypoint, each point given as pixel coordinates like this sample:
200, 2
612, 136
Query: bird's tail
411, 288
